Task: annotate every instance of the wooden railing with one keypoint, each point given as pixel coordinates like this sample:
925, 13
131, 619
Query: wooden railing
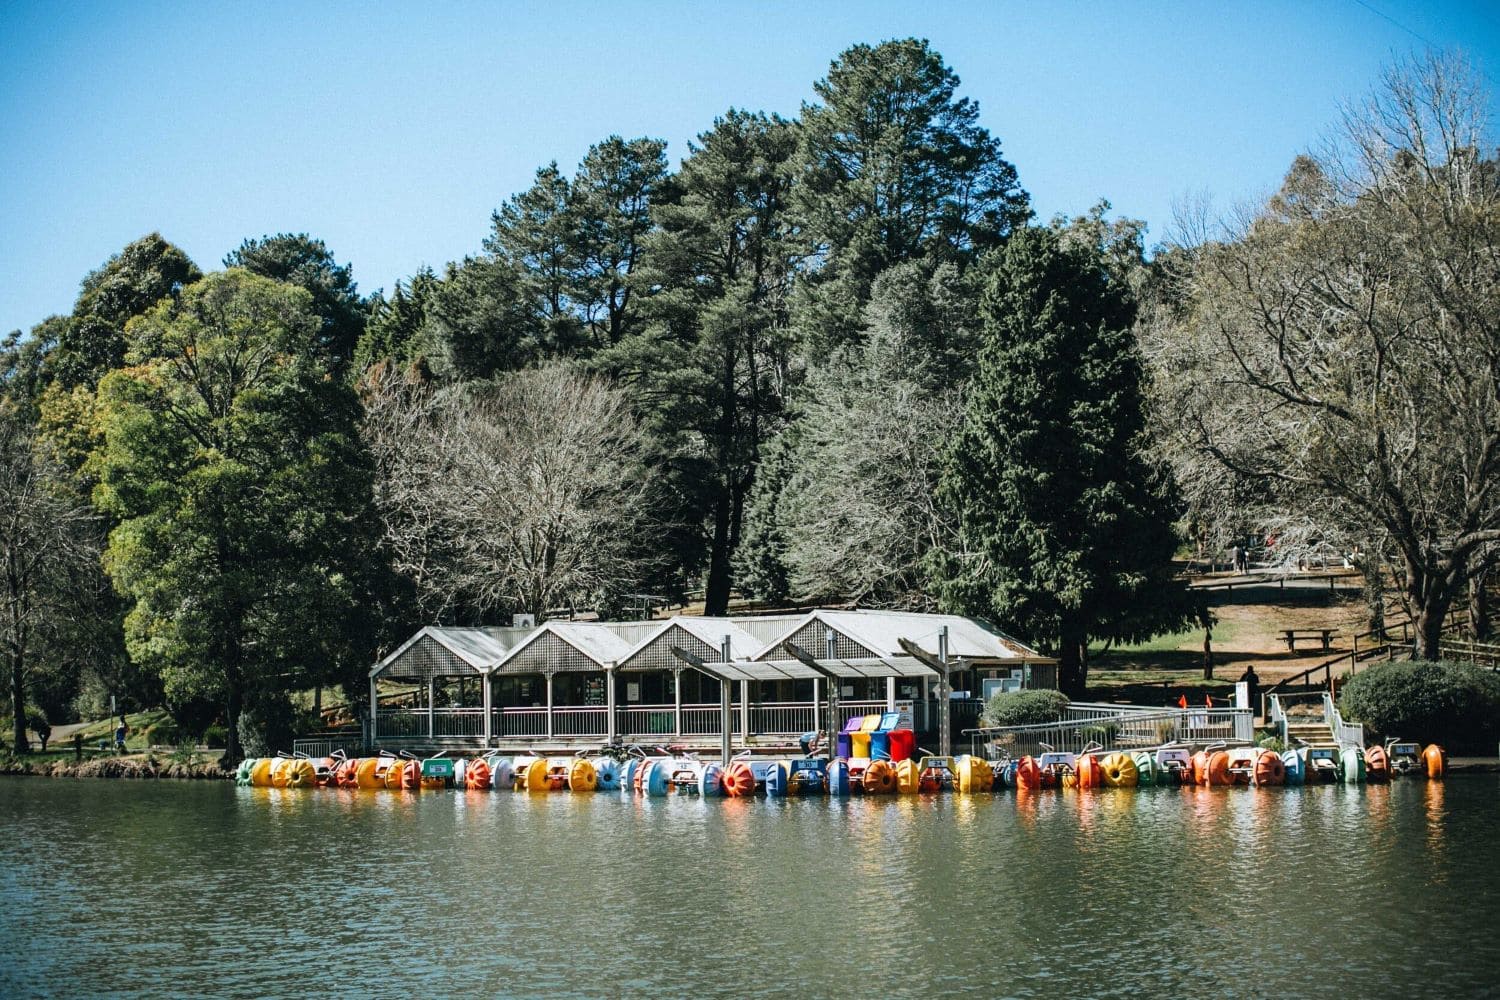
1381, 645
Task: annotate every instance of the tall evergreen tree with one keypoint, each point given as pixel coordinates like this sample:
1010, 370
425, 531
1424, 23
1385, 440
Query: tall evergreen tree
612, 195
300, 260
538, 234
1064, 527
397, 330
894, 167
710, 366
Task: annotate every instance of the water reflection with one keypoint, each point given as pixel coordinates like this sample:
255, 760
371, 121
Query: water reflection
905, 896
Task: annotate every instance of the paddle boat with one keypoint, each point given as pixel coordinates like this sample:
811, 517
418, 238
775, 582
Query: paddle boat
838, 778
1352, 764
1405, 758
878, 778
1055, 765
1436, 759
607, 774
1088, 771
1173, 766
1119, 770
1211, 767
477, 775
804, 776
1377, 765
1294, 767
1145, 768
1255, 766
973, 774
739, 782
436, 773
935, 774
1320, 765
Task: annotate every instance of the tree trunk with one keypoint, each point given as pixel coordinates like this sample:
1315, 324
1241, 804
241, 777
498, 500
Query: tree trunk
1208, 652
1427, 629
720, 578
18, 700
233, 752
1072, 672
1479, 608
1374, 594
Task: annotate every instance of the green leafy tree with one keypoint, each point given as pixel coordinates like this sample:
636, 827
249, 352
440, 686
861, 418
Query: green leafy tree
481, 320
242, 494
894, 167
300, 260
710, 367
127, 285
1064, 528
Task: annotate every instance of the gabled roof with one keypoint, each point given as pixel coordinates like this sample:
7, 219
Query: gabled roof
480, 648
881, 631
591, 639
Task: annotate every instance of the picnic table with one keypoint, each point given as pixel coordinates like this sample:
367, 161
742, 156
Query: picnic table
1294, 635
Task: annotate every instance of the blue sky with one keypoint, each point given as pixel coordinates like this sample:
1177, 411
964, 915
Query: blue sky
392, 131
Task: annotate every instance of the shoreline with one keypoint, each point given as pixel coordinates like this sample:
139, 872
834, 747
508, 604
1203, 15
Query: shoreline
134, 767
139, 767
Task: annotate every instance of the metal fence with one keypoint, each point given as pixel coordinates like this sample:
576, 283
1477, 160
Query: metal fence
1132, 729
646, 721
329, 744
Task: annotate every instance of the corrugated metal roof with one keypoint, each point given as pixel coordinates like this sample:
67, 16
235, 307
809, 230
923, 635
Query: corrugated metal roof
480, 648
881, 632
775, 670
593, 639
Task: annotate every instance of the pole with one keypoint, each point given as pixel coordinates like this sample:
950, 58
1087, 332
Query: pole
609, 703
549, 704
726, 713
677, 702
945, 720
487, 699
431, 697
374, 713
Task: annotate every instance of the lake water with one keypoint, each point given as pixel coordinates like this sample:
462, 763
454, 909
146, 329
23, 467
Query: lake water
174, 888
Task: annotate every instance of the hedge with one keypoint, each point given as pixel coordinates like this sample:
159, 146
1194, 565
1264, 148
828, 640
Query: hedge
1456, 705
1024, 708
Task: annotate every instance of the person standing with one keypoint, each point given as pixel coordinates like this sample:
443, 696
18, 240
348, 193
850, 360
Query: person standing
120, 732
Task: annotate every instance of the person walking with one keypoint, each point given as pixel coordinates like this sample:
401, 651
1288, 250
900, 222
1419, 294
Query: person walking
120, 732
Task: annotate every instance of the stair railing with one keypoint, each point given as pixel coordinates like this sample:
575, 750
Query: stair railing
1344, 733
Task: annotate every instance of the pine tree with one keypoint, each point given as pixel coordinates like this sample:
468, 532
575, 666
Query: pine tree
893, 167
1064, 527
710, 365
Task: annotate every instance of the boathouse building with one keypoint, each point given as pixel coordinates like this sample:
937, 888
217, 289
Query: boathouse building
660, 681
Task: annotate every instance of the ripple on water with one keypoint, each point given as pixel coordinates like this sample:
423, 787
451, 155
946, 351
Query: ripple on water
152, 889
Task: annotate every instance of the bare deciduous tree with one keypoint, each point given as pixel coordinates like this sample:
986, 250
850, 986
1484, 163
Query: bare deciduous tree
525, 493
1340, 348
45, 534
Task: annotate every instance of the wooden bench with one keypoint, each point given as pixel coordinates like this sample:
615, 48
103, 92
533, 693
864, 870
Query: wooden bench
1292, 635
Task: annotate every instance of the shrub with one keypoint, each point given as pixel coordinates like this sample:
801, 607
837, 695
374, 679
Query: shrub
1103, 734
165, 733
216, 736
266, 725
1024, 708
1452, 704
1270, 742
